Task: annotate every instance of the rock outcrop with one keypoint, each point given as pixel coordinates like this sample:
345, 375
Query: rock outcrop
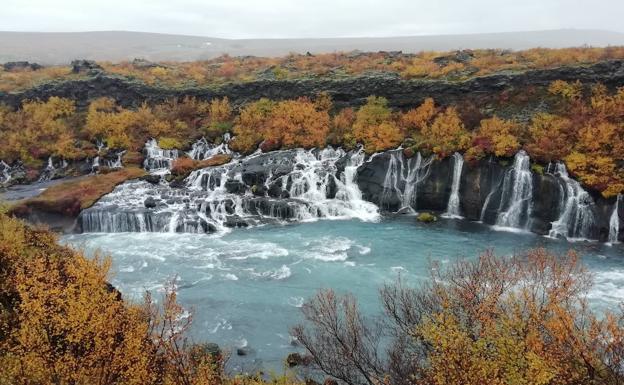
351, 91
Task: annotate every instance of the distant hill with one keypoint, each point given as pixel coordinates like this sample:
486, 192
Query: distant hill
61, 48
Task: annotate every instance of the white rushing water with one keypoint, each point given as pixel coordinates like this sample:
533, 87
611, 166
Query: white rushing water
117, 162
158, 160
202, 149
5, 173
48, 171
576, 217
517, 194
403, 177
614, 222
452, 208
295, 185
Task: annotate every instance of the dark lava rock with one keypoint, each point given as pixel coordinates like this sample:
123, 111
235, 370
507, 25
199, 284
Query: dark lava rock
234, 221
235, 187
150, 203
153, 179
296, 359
85, 66
144, 64
21, 65
242, 352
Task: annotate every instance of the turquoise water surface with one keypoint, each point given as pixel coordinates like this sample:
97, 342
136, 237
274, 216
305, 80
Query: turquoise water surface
245, 287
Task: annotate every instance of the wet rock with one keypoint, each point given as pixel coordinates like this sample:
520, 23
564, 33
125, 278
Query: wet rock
150, 178
242, 351
235, 187
234, 221
150, 203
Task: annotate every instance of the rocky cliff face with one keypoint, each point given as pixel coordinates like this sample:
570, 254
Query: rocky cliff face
490, 192
350, 91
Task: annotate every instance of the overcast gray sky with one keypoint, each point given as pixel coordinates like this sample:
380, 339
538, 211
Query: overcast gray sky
309, 18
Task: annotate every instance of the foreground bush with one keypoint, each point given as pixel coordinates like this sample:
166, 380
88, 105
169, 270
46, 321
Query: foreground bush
521, 320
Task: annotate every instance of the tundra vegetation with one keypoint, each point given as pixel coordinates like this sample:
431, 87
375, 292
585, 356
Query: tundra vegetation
226, 69
490, 320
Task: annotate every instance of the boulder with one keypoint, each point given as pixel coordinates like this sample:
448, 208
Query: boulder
21, 65
150, 203
85, 66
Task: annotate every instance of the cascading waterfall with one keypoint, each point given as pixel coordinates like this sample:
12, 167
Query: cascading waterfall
95, 165
576, 217
48, 172
452, 208
117, 162
158, 160
294, 185
5, 173
203, 150
515, 206
403, 177
614, 222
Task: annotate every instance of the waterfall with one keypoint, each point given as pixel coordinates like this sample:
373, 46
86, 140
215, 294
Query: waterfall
275, 187
48, 172
576, 217
203, 150
517, 194
403, 177
158, 160
614, 222
95, 166
117, 162
5, 173
452, 208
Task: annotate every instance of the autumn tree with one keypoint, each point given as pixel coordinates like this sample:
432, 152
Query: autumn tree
251, 125
220, 118
550, 137
495, 136
298, 123
375, 127
341, 130
446, 134
416, 119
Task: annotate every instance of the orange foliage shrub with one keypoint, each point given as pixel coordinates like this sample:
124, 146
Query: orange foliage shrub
374, 126
298, 123
495, 136
446, 134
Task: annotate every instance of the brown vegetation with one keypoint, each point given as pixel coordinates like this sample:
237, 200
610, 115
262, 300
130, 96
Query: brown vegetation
182, 167
226, 69
70, 197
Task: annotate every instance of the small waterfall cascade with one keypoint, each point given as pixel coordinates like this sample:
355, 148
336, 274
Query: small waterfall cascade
5, 173
116, 163
158, 160
452, 208
95, 165
403, 177
203, 150
48, 172
515, 206
576, 217
614, 222
280, 186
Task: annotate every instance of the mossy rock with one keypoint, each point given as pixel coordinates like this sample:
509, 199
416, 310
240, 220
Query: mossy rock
426, 217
